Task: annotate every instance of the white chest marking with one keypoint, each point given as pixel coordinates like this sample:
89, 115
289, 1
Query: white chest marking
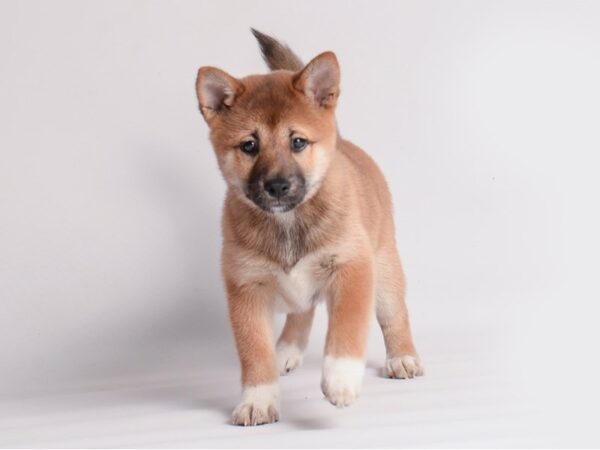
300, 288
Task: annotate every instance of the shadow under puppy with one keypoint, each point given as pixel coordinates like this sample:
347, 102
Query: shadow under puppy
307, 217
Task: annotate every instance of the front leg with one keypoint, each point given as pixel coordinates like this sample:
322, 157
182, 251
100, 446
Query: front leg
350, 305
293, 340
251, 315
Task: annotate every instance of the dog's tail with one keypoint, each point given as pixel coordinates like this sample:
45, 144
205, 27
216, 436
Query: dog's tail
277, 55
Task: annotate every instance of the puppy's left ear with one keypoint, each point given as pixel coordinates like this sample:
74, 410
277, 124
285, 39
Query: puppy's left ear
216, 90
320, 80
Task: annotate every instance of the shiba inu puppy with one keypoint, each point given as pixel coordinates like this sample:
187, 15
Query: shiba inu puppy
307, 218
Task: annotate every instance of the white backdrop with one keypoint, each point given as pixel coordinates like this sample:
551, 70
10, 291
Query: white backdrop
483, 115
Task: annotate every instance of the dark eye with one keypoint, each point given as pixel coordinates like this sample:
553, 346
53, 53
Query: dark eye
250, 147
299, 144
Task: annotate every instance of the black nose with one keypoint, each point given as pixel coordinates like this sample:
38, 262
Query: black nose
277, 187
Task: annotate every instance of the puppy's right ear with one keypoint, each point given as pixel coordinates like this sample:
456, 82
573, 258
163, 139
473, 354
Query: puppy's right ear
216, 90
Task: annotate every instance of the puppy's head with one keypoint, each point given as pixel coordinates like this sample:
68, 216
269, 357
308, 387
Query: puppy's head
274, 135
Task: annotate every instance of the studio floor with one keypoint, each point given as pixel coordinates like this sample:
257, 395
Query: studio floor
463, 401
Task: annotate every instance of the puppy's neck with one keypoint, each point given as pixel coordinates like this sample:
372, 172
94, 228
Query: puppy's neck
285, 219
287, 237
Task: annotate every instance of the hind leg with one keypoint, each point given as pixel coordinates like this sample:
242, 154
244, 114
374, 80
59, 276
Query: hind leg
293, 340
402, 360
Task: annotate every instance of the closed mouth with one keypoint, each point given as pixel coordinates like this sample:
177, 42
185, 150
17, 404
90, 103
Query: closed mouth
278, 206
274, 205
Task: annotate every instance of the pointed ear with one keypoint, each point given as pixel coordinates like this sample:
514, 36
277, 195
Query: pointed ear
216, 91
320, 80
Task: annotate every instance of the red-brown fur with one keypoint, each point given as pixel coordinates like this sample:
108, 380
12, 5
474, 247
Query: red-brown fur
345, 222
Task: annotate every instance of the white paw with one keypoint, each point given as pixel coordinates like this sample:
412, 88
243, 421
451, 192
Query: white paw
289, 357
259, 405
342, 380
403, 367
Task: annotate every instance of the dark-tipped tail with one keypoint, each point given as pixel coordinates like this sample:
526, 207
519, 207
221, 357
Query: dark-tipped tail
277, 55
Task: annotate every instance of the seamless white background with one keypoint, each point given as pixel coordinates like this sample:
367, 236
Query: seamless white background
484, 116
